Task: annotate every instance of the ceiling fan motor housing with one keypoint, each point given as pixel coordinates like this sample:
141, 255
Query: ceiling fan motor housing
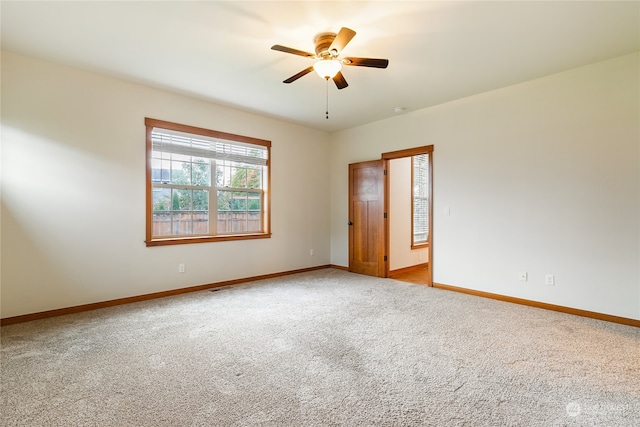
323, 42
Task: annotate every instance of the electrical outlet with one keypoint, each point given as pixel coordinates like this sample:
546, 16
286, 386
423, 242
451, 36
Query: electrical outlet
311, 252
522, 276
180, 268
550, 279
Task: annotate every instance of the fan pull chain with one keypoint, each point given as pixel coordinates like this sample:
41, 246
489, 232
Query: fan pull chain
327, 112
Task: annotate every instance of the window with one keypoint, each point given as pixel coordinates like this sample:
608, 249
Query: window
420, 199
204, 185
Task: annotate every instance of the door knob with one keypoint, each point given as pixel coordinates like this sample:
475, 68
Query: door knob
349, 223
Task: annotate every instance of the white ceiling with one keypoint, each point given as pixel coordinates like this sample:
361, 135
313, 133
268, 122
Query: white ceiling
220, 51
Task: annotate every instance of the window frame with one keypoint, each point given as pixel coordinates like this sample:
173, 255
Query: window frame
421, 244
186, 239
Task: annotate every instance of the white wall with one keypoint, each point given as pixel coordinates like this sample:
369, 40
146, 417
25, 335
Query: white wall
540, 177
400, 253
73, 199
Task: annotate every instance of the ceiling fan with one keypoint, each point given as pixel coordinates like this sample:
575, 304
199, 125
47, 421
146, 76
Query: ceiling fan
328, 48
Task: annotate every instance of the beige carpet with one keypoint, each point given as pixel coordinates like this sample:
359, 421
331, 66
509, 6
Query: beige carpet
323, 348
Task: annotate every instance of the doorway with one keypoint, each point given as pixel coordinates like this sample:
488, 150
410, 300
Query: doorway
370, 211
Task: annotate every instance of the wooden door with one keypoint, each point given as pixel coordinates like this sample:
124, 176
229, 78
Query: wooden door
367, 218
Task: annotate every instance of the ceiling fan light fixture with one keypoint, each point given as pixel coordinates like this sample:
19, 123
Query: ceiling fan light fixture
327, 68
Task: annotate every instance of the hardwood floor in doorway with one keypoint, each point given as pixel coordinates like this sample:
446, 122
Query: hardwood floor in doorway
418, 275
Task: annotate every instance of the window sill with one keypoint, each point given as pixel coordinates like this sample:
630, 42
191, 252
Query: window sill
205, 239
419, 246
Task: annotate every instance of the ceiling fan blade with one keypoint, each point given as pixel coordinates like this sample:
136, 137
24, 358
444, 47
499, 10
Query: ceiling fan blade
339, 80
292, 50
300, 74
366, 62
342, 38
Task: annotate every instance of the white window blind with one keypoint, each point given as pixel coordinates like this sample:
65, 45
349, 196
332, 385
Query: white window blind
420, 198
171, 141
